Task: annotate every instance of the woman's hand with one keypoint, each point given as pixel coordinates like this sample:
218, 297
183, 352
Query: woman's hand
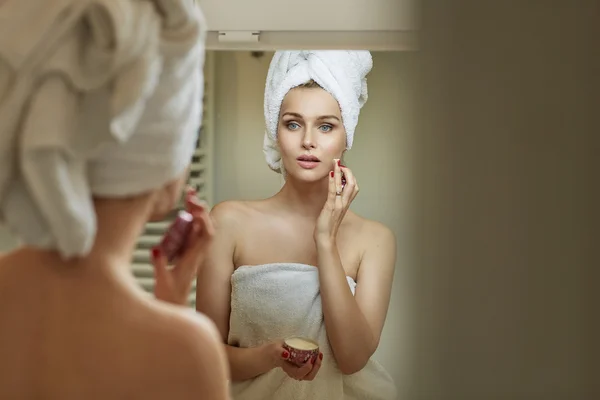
338, 201
280, 355
173, 285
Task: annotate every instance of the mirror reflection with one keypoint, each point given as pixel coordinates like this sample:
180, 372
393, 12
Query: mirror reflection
269, 191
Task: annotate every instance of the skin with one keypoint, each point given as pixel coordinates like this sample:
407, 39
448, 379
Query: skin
83, 329
323, 233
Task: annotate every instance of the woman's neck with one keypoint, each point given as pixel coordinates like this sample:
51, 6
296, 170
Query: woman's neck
305, 198
119, 223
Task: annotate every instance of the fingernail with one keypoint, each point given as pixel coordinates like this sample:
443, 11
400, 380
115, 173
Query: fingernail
155, 252
342, 165
320, 356
339, 164
331, 174
285, 354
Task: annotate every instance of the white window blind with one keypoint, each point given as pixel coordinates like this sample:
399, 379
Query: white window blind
200, 178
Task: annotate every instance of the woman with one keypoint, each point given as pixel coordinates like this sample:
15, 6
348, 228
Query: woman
74, 322
301, 263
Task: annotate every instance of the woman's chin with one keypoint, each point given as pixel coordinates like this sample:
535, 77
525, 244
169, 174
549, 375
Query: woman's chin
307, 175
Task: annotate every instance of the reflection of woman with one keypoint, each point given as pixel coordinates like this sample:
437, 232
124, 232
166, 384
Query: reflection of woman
301, 263
74, 322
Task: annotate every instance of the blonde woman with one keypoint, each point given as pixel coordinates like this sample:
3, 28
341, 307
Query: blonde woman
105, 137
300, 263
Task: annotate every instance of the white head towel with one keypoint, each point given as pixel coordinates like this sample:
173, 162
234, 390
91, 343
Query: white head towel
104, 100
340, 72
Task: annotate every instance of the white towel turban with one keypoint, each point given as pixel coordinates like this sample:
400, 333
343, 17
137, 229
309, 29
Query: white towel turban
342, 73
97, 98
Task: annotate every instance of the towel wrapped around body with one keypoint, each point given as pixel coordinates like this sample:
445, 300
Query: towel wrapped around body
276, 301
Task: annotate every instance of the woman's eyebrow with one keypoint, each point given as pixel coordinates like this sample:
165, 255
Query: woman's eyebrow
328, 117
292, 114
299, 116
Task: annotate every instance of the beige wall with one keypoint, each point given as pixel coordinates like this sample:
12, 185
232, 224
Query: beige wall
381, 159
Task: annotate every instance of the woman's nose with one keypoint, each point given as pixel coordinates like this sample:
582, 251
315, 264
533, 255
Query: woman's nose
308, 140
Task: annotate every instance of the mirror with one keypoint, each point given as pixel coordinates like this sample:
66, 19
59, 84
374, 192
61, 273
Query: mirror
380, 158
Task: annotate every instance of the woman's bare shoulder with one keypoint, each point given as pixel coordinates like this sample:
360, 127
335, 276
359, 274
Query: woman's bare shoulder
235, 211
373, 234
194, 350
370, 228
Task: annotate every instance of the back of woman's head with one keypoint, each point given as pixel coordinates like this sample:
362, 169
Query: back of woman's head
118, 119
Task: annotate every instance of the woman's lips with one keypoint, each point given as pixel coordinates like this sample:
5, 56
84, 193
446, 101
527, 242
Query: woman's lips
308, 164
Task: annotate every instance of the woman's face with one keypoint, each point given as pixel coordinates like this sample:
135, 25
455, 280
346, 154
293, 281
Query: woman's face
310, 133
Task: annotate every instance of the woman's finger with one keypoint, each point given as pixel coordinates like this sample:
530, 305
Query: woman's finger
203, 233
315, 368
159, 262
203, 225
305, 369
194, 204
338, 176
205, 221
338, 184
186, 267
351, 186
330, 203
292, 371
162, 276
175, 284
189, 193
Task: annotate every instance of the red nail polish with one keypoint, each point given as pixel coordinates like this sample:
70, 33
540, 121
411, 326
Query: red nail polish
155, 252
343, 166
331, 174
285, 354
339, 164
320, 356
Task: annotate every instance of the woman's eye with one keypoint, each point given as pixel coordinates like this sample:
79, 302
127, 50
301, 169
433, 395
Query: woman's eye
326, 128
293, 125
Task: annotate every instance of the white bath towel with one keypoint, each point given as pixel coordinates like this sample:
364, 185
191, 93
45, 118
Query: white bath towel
103, 98
341, 72
275, 301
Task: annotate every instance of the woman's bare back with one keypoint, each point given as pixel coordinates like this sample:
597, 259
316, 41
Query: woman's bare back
65, 336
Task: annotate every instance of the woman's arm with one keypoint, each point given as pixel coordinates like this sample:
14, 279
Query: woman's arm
213, 295
354, 323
